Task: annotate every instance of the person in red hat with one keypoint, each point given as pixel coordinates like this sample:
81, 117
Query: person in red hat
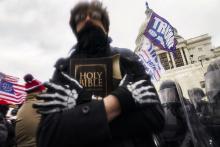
32, 85
27, 118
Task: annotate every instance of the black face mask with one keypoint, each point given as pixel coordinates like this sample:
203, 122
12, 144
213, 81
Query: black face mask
92, 41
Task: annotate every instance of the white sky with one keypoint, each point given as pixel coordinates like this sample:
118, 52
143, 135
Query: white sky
34, 34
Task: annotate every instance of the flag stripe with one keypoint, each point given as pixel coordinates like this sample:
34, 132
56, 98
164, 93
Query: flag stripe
7, 98
12, 101
18, 85
19, 89
11, 80
153, 67
12, 96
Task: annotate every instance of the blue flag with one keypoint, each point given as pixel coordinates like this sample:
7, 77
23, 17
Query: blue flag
161, 33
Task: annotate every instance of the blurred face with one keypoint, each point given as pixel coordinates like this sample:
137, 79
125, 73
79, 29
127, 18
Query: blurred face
92, 38
91, 15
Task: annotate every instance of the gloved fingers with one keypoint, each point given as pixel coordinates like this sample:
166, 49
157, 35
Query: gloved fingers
147, 88
71, 104
74, 94
145, 94
123, 80
58, 88
73, 83
128, 78
142, 90
146, 97
50, 105
134, 85
52, 96
53, 86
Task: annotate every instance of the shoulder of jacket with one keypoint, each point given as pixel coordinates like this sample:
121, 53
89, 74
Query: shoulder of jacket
121, 50
125, 53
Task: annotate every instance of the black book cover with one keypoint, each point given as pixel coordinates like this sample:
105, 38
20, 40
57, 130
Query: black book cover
94, 74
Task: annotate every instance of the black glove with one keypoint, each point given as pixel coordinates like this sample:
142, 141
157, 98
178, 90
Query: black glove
133, 94
59, 98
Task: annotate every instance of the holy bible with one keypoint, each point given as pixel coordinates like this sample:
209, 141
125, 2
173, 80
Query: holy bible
95, 74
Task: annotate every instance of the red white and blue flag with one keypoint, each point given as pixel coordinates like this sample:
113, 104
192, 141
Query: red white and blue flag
150, 60
8, 78
157, 33
10, 91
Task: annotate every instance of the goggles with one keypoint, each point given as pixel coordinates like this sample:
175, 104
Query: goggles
81, 16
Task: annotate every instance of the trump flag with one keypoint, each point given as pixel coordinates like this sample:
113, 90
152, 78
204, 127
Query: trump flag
161, 33
155, 33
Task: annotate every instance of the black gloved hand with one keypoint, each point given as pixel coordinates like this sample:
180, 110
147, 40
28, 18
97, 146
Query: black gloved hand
59, 97
132, 94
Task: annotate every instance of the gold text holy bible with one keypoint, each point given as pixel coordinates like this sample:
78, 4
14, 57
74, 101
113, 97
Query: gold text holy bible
94, 74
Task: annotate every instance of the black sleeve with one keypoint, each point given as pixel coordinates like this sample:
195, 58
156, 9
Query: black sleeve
3, 132
149, 118
85, 124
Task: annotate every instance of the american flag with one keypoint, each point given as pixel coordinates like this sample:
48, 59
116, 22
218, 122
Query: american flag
8, 78
10, 91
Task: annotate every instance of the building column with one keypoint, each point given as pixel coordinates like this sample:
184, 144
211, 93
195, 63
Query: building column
183, 57
187, 55
172, 60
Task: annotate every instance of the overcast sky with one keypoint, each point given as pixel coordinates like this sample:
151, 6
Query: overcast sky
35, 33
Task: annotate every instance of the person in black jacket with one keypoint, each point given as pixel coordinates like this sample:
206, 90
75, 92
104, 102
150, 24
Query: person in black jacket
212, 86
126, 117
7, 132
201, 106
175, 132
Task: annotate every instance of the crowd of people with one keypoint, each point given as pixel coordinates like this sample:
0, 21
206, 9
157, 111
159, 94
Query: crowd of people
62, 113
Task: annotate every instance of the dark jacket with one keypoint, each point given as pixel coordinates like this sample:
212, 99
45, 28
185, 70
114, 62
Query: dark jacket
27, 122
7, 135
87, 125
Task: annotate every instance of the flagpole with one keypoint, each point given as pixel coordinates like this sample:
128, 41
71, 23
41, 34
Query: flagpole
148, 10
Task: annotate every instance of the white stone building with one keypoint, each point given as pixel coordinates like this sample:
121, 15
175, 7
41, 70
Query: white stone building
190, 63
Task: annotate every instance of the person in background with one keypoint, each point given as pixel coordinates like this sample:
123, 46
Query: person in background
128, 116
212, 86
201, 106
33, 84
175, 132
27, 118
7, 132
